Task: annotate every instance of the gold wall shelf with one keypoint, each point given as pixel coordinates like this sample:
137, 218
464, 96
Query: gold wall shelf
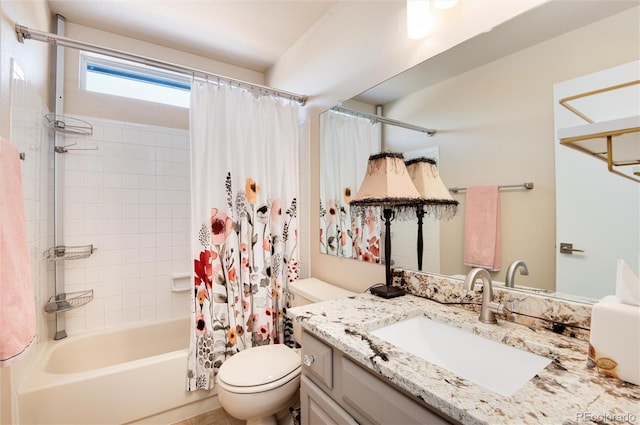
597, 138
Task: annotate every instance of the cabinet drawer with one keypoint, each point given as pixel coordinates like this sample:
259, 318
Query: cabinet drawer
317, 359
320, 409
379, 402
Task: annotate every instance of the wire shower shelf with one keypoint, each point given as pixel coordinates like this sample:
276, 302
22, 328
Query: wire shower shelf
62, 252
68, 301
68, 125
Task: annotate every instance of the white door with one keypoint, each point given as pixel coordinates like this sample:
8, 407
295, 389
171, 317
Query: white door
596, 211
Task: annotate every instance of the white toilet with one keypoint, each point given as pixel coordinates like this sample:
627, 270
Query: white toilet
257, 384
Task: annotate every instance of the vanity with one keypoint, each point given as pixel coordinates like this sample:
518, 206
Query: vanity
352, 376
334, 389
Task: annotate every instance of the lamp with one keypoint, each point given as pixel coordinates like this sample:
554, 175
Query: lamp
437, 201
387, 184
418, 18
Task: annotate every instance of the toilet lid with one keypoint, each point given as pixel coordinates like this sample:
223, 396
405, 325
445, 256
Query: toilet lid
259, 365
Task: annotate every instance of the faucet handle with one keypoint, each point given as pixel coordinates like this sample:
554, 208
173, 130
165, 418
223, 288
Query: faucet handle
489, 311
497, 308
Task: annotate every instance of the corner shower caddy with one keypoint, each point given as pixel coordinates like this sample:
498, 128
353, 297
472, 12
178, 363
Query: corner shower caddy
65, 301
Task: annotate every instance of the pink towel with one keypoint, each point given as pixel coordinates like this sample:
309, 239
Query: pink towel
482, 228
17, 306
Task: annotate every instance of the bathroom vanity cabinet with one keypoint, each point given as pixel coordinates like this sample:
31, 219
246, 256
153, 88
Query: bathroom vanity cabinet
349, 375
335, 390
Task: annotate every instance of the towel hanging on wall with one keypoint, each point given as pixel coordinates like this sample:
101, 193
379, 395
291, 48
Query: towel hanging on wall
482, 227
17, 308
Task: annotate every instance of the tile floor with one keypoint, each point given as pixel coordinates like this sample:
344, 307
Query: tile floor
214, 417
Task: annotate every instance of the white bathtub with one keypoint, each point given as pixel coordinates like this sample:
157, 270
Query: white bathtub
132, 374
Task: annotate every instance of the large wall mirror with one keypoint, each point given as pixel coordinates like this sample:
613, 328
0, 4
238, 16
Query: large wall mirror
491, 101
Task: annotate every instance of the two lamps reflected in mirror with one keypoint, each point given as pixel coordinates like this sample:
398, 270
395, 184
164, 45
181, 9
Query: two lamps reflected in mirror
407, 190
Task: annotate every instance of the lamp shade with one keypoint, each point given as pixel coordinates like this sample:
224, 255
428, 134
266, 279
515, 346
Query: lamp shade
426, 179
387, 183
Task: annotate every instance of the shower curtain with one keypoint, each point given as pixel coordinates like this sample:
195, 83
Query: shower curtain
244, 185
347, 142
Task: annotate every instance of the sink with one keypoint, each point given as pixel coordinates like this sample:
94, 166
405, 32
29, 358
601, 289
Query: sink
498, 367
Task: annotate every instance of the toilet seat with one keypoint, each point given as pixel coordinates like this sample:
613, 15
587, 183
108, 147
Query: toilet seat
260, 388
259, 369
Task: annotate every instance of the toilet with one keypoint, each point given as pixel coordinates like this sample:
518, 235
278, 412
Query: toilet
260, 383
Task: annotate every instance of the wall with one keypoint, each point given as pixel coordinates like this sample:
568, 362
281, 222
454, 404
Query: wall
498, 128
129, 198
33, 60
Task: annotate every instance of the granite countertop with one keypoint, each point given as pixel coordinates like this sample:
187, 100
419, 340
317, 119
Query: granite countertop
566, 391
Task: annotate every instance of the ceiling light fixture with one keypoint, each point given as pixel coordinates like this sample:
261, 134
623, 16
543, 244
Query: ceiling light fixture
444, 4
418, 18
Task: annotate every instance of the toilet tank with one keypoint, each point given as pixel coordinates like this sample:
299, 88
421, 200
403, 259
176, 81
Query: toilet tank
309, 291
312, 290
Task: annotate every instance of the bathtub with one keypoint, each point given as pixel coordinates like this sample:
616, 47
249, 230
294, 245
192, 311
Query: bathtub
125, 375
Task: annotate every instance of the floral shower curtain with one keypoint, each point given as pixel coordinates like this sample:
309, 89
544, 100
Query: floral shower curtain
347, 142
244, 174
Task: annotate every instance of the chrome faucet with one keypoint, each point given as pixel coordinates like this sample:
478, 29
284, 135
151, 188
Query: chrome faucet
489, 307
511, 271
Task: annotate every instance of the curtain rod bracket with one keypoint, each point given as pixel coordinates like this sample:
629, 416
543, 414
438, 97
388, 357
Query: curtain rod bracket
23, 32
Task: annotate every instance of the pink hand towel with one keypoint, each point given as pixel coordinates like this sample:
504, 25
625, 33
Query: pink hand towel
482, 227
17, 306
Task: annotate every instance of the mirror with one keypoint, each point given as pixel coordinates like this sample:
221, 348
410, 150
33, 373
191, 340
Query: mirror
490, 100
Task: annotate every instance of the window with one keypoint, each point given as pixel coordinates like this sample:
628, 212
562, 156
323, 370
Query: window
103, 74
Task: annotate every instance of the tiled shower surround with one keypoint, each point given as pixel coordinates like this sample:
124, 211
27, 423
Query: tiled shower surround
130, 199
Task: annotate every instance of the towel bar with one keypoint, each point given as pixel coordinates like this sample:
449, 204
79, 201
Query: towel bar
527, 185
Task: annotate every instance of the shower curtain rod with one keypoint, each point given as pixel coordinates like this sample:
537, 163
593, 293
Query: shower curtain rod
28, 33
378, 118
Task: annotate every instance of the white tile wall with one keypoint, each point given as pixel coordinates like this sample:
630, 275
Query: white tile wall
404, 247
30, 136
130, 199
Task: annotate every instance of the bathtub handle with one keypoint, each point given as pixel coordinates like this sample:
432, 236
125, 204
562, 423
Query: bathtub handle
308, 360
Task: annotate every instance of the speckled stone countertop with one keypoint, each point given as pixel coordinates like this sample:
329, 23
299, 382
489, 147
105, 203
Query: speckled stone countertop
565, 392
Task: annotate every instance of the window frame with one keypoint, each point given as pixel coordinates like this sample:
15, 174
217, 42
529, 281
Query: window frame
132, 71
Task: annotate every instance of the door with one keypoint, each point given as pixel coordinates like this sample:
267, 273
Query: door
597, 211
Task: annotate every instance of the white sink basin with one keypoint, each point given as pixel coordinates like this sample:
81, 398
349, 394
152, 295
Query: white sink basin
498, 367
